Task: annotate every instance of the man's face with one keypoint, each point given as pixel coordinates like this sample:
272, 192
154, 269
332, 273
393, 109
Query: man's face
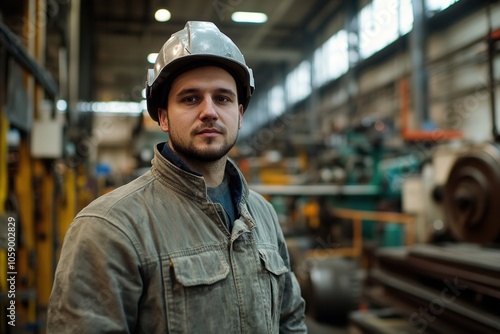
203, 115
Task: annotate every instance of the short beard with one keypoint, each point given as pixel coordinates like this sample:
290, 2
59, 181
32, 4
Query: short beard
193, 154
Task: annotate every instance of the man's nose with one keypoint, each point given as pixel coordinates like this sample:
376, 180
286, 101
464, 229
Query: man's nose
208, 109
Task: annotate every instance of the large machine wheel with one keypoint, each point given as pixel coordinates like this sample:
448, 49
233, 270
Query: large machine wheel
472, 195
334, 289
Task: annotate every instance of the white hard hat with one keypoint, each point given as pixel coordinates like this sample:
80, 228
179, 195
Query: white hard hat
198, 44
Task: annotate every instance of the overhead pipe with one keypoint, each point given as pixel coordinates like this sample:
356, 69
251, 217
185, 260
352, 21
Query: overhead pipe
418, 49
422, 135
493, 38
352, 78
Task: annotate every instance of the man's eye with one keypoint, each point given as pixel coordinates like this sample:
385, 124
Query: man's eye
189, 99
223, 99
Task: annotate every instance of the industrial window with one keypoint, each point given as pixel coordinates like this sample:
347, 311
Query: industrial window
276, 101
254, 116
110, 107
298, 83
331, 59
382, 22
405, 17
438, 5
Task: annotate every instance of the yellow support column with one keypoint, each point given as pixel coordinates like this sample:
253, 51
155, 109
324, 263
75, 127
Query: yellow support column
43, 223
43, 174
26, 254
67, 204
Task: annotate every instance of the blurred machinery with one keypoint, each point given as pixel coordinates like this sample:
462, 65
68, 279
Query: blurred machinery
471, 194
449, 282
329, 247
452, 283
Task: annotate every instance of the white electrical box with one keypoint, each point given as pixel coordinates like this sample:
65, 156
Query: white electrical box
413, 195
47, 139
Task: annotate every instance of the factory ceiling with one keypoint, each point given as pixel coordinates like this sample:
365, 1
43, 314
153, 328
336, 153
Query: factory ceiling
114, 38
124, 32
117, 35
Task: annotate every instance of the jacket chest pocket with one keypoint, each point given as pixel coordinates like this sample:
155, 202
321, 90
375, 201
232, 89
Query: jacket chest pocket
196, 292
274, 269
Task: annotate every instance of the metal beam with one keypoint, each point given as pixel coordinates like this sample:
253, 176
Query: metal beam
74, 60
317, 189
272, 55
264, 30
418, 50
15, 48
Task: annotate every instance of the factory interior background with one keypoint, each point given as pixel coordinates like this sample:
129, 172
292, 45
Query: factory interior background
373, 131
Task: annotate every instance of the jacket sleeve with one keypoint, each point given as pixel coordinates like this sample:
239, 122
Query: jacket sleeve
97, 282
292, 317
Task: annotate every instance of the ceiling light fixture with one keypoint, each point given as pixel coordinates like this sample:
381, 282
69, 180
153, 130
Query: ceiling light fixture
162, 15
249, 17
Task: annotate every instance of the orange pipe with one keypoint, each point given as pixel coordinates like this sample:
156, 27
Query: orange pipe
415, 135
495, 34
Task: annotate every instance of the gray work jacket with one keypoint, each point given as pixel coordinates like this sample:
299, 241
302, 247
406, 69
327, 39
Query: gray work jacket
154, 256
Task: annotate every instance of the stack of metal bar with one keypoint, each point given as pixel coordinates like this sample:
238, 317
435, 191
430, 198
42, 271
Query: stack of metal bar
440, 289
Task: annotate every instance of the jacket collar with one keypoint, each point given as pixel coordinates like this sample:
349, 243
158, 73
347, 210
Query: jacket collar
170, 155
174, 173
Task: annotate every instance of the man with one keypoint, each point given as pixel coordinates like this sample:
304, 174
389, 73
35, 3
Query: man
187, 247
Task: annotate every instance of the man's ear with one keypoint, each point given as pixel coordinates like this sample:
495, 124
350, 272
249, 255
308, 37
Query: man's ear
163, 119
241, 116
